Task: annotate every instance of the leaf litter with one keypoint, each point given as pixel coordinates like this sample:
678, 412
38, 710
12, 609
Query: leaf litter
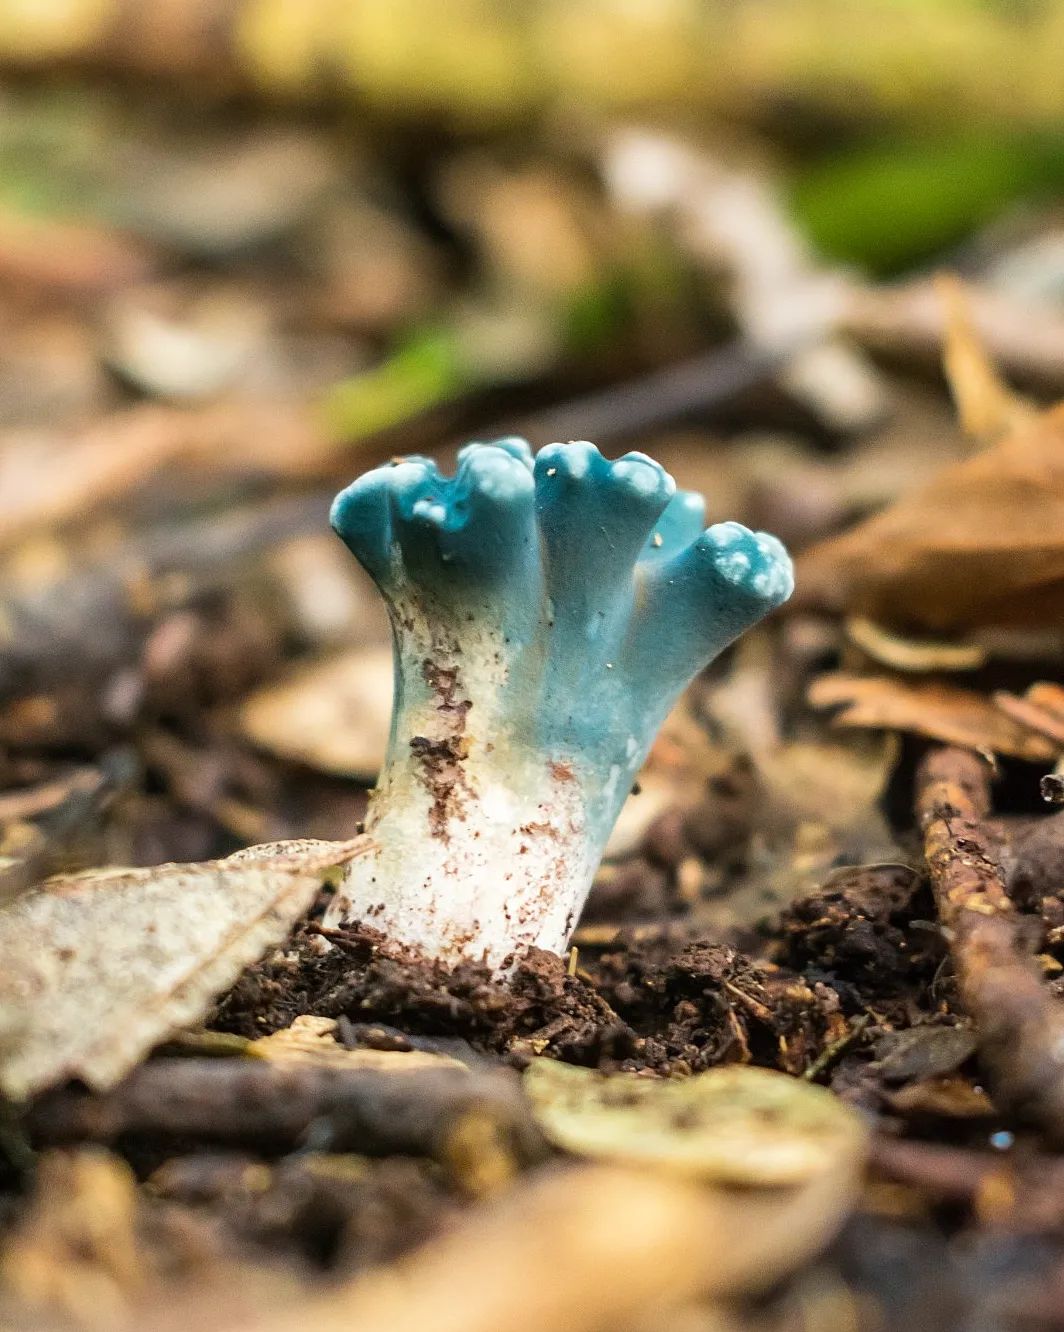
184, 671
99, 967
739, 1125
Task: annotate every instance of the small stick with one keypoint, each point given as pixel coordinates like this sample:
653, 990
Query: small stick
661, 397
952, 1174
838, 1047
420, 1112
1019, 1027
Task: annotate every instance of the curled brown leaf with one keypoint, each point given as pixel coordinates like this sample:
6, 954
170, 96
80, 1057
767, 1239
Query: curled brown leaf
981, 544
939, 711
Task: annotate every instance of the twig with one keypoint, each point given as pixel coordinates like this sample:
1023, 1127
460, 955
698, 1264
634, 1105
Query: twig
662, 397
1020, 1029
420, 1112
831, 1052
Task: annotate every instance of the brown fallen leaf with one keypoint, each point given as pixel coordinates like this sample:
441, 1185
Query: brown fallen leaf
1041, 709
49, 480
981, 544
939, 711
332, 715
44, 258
100, 967
951, 1097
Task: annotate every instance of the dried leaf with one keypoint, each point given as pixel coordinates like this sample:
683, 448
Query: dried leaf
836, 784
47, 481
986, 405
818, 801
923, 1052
950, 1097
64, 259
332, 715
981, 544
1041, 709
939, 711
100, 967
312, 1040
735, 1125
582, 1250
906, 320
914, 656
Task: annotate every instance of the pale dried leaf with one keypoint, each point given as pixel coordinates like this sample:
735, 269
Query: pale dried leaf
734, 1125
836, 783
912, 655
818, 798
100, 967
907, 320
938, 711
583, 1250
332, 715
312, 1040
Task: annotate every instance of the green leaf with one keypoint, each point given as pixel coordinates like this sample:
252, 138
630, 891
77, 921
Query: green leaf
888, 206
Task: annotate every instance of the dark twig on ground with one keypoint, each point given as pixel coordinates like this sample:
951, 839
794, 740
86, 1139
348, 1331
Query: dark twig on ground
659, 398
445, 1113
1020, 1028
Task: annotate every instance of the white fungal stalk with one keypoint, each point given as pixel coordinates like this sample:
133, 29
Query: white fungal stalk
546, 615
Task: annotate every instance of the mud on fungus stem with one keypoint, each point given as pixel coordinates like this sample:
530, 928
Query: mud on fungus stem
546, 614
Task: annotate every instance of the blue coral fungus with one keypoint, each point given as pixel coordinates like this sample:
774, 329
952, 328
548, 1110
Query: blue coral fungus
546, 612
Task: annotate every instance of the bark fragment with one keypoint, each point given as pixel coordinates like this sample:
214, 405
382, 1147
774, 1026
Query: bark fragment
1019, 1027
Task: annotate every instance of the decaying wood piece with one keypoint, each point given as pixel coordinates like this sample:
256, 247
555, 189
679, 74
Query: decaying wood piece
436, 1112
587, 1248
1020, 1028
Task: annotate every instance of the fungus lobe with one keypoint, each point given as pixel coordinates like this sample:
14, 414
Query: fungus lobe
546, 613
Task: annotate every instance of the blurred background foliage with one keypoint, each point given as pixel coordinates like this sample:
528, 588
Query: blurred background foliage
250, 247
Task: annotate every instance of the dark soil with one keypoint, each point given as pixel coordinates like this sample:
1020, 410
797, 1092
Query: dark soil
850, 986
